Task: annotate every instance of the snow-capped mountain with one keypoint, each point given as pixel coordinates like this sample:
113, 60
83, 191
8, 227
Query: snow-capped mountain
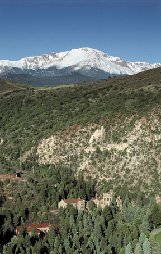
86, 62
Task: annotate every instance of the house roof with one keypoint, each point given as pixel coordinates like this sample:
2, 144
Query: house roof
37, 227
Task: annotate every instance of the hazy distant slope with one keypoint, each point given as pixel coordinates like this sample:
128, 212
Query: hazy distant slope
6, 86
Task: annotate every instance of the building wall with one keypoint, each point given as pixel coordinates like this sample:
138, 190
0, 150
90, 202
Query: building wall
81, 205
106, 200
45, 229
62, 204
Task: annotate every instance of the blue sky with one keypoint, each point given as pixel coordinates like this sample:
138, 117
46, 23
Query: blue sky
130, 29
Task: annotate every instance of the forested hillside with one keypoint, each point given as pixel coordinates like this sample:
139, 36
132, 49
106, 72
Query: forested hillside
109, 130
82, 141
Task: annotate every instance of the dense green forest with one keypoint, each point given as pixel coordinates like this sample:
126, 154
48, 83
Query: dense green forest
111, 230
51, 137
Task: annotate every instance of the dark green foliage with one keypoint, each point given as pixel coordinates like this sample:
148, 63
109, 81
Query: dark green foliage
110, 230
155, 217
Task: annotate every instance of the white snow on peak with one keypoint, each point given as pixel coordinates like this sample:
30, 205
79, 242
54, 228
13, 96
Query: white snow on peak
78, 58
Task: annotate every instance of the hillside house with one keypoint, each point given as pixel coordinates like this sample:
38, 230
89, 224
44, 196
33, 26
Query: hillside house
106, 199
76, 202
36, 227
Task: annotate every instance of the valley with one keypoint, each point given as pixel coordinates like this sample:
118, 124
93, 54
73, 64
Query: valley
63, 126
74, 142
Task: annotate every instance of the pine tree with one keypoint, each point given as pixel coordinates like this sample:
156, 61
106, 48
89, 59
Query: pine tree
56, 244
126, 202
128, 249
144, 227
139, 200
142, 239
67, 245
146, 247
138, 249
155, 216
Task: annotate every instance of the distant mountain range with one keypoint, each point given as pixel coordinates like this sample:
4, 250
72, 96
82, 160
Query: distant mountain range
74, 66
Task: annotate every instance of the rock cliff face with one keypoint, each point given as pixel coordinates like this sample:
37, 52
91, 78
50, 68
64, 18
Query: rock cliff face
128, 152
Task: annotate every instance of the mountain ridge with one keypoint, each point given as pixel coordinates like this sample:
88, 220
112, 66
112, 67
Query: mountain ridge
88, 62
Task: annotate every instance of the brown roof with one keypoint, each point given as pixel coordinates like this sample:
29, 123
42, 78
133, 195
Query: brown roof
38, 225
35, 226
72, 200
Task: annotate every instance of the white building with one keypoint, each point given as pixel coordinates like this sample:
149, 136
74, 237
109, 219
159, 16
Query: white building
106, 200
76, 202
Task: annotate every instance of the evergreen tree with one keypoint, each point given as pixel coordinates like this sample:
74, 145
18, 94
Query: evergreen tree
142, 239
139, 200
57, 243
147, 247
155, 217
138, 249
145, 227
67, 246
128, 249
126, 202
